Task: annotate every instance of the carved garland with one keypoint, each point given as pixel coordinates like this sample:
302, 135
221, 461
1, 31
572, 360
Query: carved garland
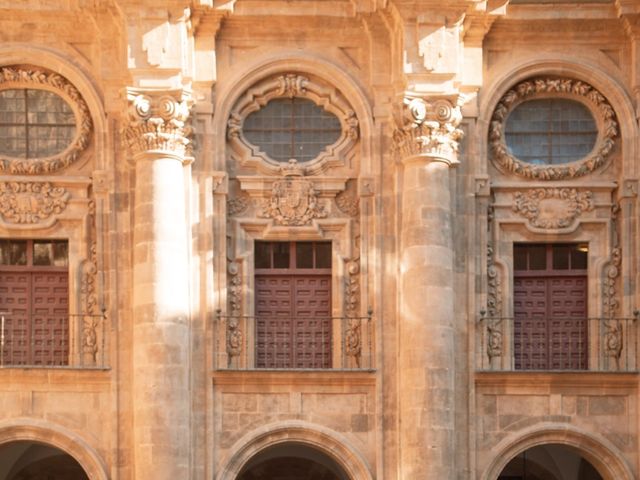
353, 334
89, 296
543, 88
18, 77
494, 306
233, 330
291, 85
539, 206
31, 202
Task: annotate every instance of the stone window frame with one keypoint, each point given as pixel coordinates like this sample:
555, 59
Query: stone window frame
538, 88
27, 77
290, 85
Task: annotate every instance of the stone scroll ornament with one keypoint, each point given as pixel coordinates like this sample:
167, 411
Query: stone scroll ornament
551, 208
19, 77
543, 88
31, 202
158, 122
429, 129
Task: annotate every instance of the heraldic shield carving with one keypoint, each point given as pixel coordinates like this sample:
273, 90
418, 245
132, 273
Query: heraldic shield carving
293, 202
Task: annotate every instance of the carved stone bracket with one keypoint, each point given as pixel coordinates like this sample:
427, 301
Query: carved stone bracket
429, 130
544, 88
552, 208
18, 77
157, 122
348, 201
31, 202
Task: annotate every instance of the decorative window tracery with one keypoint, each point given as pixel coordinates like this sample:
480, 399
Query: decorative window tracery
510, 157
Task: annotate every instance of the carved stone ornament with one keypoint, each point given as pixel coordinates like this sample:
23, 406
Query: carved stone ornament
289, 85
613, 335
238, 204
19, 77
157, 122
31, 202
429, 130
233, 331
545, 88
348, 202
494, 306
293, 201
353, 334
551, 208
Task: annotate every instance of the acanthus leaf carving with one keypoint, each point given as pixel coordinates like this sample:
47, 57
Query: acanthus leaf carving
348, 202
31, 202
551, 208
239, 204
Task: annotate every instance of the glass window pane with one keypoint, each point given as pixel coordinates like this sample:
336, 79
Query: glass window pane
53, 253
579, 254
323, 255
263, 255
304, 255
13, 252
280, 255
561, 257
519, 257
537, 257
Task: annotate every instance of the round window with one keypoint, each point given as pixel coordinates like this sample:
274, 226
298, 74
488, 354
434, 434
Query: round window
34, 123
287, 128
550, 131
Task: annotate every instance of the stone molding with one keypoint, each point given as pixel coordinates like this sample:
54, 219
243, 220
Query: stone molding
552, 208
31, 202
539, 88
20, 77
157, 122
290, 85
429, 130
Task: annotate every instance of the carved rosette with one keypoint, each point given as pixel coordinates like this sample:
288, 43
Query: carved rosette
19, 77
293, 202
233, 330
157, 122
429, 130
31, 202
551, 208
544, 88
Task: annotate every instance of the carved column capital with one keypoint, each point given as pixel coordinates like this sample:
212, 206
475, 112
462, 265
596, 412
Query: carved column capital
156, 122
428, 130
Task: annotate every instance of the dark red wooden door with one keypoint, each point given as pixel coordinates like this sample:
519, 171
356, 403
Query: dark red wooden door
293, 317
550, 310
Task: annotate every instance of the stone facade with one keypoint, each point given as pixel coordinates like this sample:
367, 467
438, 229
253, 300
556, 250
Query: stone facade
163, 200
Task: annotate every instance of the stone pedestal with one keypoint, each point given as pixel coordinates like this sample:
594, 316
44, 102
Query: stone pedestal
157, 138
427, 144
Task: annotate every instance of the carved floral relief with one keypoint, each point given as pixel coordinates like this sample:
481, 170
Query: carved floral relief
31, 202
551, 208
293, 202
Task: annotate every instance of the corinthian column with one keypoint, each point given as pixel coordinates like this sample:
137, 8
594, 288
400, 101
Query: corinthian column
158, 139
427, 146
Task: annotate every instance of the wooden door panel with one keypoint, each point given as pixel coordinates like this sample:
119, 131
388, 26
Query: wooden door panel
15, 288
313, 321
273, 321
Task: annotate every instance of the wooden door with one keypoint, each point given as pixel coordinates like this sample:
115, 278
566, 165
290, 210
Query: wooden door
293, 311
550, 309
34, 301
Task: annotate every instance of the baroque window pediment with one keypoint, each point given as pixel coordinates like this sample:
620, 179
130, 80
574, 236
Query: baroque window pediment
537, 112
321, 120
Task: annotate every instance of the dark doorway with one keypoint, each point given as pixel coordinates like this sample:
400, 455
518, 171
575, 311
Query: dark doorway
550, 306
34, 461
293, 304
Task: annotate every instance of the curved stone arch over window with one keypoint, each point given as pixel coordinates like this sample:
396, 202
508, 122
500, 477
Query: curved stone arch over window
598, 451
292, 85
553, 88
34, 78
330, 443
47, 433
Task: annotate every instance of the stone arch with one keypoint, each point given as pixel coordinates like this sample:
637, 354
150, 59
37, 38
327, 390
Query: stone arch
509, 73
600, 452
332, 444
59, 437
289, 61
76, 73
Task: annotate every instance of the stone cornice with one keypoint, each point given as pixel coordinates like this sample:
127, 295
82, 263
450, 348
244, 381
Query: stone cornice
428, 130
157, 122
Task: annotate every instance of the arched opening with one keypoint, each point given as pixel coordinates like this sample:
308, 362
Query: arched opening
26, 460
549, 462
292, 461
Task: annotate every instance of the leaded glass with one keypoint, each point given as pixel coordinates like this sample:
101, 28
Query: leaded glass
551, 131
287, 128
34, 123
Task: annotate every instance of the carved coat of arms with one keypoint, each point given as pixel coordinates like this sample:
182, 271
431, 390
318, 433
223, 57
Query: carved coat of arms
293, 202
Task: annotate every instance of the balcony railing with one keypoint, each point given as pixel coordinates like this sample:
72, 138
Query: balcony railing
42, 340
294, 343
558, 344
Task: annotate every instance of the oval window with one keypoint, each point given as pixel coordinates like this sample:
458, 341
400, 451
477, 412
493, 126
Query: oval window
550, 131
287, 128
34, 123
